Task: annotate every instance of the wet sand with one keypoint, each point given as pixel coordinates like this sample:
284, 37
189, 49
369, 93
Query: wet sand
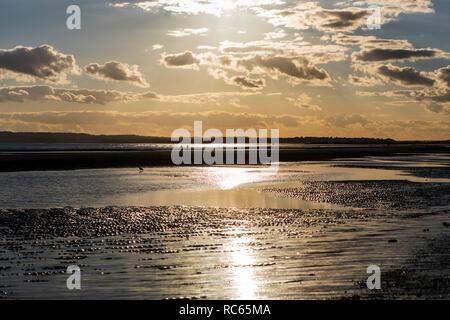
424, 276
380, 195
206, 253
68, 160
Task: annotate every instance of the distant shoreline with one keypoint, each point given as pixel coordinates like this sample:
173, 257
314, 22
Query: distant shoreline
7, 137
71, 160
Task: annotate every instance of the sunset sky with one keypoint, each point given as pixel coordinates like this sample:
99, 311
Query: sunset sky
308, 68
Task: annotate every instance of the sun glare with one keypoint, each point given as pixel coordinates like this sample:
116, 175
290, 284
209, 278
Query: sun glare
242, 260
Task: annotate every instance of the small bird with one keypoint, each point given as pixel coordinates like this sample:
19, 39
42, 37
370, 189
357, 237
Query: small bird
141, 169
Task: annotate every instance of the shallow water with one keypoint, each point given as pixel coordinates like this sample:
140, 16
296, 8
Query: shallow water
196, 186
245, 261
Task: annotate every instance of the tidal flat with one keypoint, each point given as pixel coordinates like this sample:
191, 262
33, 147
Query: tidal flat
307, 232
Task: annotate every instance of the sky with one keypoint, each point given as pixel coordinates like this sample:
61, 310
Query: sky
365, 68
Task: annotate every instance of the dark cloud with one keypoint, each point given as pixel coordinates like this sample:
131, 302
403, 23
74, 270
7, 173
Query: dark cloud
405, 76
116, 71
44, 62
248, 82
311, 15
343, 19
180, 59
295, 67
292, 67
444, 75
377, 54
437, 108
242, 81
436, 95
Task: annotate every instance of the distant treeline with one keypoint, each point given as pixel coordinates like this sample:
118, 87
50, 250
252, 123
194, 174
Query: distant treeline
52, 137
336, 140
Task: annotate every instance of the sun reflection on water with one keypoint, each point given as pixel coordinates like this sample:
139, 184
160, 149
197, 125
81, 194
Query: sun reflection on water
242, 266
228, 178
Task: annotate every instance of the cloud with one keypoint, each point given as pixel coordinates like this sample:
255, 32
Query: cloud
363, 81
310, 15
21, 94
204, 97
157, 46
87, 96
277, 34
248, 83
389, 94
43, 63
150, 122
206, 47
294, 68
437, 108
236, 102
244, 82
377, 54
443, 75
287, 48
303, 101
437, 95
394, 8
302, 16
162, 123
117, 71
345, 120
179, 33
406, 76
434, 99
180, 60
193, 7
368, 41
